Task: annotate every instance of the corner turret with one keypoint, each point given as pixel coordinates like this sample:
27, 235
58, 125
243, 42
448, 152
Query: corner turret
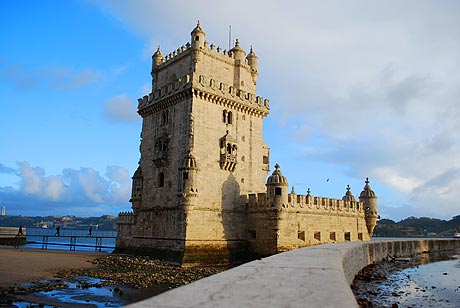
237, 52
369, 199
198, 37
253, 62
277, 186
157, 58
136, 193
188, 176
348, 195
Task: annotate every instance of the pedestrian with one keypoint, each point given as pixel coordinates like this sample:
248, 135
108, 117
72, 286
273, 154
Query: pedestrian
58, 231
20, 231
90, 233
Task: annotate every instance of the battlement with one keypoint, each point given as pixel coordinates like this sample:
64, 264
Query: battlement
126, 218
210, 50
170, 89
222, 92
180, 52
210, 88
308, 203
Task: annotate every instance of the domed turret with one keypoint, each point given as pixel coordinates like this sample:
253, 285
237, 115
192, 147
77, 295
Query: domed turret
157, 58
277, 185
188, 170
198, 36
369, 199
348, 195
189, 162
237, 52
253, 62
367, 191
136, 193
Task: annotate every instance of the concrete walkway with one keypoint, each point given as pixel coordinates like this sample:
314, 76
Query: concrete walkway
317, 276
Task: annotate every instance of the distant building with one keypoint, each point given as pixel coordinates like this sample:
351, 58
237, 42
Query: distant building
200, 193
3, 210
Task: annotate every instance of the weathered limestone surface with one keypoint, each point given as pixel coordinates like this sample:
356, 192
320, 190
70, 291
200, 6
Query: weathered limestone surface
317, 276
200, 193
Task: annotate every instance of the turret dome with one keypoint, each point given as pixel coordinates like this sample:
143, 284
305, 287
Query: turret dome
157, 57
277, 177
367, 191
198, 29
189, 162
238, 52
348, 195
252, 55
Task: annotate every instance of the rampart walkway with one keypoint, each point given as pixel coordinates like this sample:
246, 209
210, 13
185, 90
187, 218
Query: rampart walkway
317, 276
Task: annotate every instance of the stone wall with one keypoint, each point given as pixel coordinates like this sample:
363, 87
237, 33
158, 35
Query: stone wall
317, 276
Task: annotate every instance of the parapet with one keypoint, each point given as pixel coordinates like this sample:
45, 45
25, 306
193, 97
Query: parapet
126, 218
221, 93
308, 204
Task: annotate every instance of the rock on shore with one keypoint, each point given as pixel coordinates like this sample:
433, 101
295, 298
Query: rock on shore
118, 270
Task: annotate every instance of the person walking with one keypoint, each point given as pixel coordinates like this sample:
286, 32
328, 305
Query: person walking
90, 233
58, 231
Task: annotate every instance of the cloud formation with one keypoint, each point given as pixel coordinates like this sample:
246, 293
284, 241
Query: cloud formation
377, 82
121, 108
68, 193
52, 77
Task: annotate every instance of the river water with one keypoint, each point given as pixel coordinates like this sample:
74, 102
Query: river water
424, 284
36, 236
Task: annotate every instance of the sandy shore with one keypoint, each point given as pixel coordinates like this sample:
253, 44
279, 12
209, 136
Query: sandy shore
22, 265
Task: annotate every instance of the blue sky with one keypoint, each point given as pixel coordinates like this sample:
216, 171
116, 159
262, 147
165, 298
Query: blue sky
357, 89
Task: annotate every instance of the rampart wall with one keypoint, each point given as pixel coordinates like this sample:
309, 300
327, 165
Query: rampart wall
317, 276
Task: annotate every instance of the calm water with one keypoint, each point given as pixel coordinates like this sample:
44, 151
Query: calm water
431, 285
35, 238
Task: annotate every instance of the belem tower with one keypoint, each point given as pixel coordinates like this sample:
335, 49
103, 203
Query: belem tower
201, 192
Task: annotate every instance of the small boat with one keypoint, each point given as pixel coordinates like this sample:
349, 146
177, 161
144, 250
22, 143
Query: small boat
456, 235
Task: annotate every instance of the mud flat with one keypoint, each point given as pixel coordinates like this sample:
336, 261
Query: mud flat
63, 278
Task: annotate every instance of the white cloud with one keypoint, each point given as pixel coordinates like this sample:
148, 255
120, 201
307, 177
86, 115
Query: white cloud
378, 81
69, 192
121, 108
52, 77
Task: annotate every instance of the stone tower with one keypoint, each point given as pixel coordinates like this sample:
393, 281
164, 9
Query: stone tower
202, 152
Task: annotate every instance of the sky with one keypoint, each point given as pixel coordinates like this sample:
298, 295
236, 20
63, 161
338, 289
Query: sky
357, 89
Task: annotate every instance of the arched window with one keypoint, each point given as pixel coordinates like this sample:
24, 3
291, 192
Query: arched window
224, 116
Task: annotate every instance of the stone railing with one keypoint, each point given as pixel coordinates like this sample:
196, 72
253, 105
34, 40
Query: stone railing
316, 276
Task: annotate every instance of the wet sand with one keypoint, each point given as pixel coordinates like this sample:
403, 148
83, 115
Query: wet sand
23, 265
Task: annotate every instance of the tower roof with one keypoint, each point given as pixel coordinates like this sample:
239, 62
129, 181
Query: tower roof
252, 54
198, 29
367, 191
189, 162
277, 177
237, 48
348, 195
157, 53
